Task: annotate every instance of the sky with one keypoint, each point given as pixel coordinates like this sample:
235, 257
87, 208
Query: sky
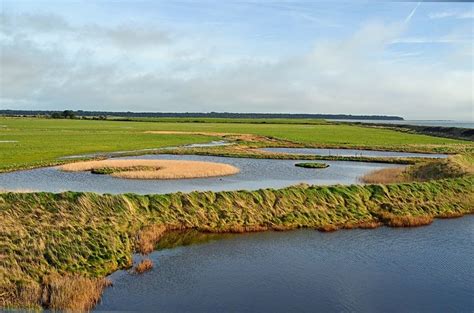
411, 59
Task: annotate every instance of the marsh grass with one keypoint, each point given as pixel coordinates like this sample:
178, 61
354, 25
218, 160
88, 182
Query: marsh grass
72, 293
385, 176
144, 266
453, 166
152, 169
148, 237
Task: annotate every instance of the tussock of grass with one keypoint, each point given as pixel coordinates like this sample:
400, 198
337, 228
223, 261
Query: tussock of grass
148, 237
153, 169
144, 266
312, 165
385, 176
394, 220
72, 293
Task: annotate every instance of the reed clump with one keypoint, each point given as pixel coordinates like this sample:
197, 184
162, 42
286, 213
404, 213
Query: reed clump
72, 293
144, 266
148, 237
153, 169
393, 220
385, 176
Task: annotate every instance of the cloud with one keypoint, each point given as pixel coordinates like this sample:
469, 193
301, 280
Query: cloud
40, 70
51, 26
451, 14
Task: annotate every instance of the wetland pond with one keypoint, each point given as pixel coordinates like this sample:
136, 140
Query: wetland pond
425, 269
254, 174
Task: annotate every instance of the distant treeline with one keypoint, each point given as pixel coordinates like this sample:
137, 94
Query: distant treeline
203, 115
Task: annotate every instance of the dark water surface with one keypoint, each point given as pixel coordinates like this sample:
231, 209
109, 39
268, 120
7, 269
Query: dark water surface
254, 174
426, 269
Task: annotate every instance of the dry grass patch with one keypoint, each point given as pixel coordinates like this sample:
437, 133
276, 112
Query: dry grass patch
72, 293
153, 169
144, 266
385, 176
148, 237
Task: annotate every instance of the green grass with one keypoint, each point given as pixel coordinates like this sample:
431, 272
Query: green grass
42, 141
312, 165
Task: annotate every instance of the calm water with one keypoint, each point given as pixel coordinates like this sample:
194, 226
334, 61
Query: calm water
426, 269
254, 174
354, 152
463, 124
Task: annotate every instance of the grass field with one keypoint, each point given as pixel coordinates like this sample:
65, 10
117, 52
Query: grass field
26, 142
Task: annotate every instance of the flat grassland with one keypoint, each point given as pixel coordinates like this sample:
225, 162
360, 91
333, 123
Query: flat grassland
30, 142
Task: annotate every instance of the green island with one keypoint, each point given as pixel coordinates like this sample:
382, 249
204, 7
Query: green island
312, 165
58, 248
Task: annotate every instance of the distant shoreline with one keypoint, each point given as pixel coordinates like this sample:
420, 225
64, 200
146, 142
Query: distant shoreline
428, 123
206, 115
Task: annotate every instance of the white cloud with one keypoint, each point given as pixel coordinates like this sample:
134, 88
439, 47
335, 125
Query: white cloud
121, 68
452, 14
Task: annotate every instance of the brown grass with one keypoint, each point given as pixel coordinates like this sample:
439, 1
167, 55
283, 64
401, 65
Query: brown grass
24, 296
144, 266
385, 176
233, 136
72, 293
393, 220
173, 132
148, 237
451, 215
161, 169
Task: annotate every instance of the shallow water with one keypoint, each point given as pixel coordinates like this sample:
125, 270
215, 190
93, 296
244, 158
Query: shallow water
353, 152
254, 174
426, 269
443, 123
215, 143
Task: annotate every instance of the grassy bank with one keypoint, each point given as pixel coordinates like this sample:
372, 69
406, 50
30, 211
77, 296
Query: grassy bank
453, 166
56, 246
33, 142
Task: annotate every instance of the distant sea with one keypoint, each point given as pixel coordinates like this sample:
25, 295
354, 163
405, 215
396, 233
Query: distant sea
464, 124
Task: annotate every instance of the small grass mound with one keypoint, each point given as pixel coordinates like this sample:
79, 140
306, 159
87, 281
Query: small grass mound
312, 165
144, 266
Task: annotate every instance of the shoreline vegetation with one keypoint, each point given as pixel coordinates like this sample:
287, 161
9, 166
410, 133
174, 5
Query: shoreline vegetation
453, 166
59, 245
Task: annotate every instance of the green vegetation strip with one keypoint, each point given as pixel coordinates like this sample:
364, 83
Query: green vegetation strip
88, 235
312, 165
